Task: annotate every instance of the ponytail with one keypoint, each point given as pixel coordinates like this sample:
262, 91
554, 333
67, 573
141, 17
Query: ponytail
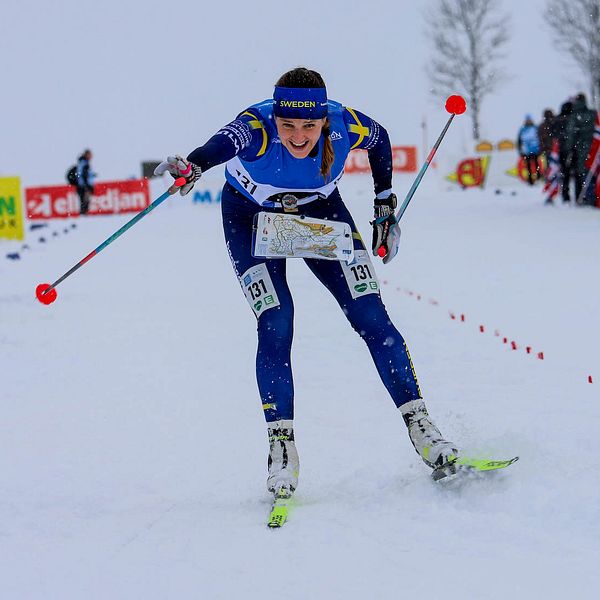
328, 155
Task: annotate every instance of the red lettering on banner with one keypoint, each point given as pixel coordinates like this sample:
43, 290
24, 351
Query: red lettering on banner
470, 172
110, 198
404, 160
357, 162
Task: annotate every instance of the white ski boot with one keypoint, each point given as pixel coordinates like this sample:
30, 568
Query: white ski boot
283, 462
426, 437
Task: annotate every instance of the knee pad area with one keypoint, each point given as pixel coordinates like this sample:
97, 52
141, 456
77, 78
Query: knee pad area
276, 327
370, 320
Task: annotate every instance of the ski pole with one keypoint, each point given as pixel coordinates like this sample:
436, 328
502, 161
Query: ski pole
46, 293
586, 184
455, 105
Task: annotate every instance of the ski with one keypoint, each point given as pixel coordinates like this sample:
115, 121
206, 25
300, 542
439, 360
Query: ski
280, 508
473, 465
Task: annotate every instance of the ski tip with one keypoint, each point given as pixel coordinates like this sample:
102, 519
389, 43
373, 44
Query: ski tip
278, 516
486, 464
280, 509
472, 465
276, 522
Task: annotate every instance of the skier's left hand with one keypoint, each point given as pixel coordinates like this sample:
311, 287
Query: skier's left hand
386, 231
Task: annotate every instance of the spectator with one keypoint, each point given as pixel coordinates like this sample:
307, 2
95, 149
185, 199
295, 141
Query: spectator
553, 175
562, 128
528, 144
591, 187
579, 142
84, 181
546, 134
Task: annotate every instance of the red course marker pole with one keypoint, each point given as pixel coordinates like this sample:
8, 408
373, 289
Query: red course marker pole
46, 292
455, 105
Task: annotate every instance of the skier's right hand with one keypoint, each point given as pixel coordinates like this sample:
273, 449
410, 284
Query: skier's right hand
178, 167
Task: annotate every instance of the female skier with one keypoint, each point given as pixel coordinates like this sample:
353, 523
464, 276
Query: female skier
286, 155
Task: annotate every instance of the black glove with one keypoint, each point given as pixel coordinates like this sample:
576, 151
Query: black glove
386, 231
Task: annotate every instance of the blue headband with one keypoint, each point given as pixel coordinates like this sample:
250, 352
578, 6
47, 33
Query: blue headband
300, 103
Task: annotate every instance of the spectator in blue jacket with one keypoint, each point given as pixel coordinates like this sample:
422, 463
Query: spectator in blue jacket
528, 143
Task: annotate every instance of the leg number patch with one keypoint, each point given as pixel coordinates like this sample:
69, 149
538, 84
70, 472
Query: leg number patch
258, 287
360, 275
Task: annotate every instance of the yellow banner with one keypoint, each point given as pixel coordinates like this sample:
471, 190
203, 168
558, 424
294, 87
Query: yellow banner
471, 172
11, 208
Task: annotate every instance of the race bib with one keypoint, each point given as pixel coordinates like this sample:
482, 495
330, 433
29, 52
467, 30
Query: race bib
259, 289
293, 236
360, 275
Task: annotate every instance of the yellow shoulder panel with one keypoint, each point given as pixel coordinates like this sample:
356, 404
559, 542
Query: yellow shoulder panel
358, 128
256, 124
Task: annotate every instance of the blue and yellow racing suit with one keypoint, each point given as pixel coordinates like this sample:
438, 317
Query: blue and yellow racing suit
259, 171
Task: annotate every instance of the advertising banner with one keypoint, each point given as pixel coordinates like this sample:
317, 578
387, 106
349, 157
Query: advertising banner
495, 165
207, 195
519, 170
11, 208
471, 172
404, 160
110, 198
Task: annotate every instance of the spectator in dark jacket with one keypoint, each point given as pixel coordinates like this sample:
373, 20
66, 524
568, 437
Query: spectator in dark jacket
84, 181
546, 134
581, 133
562, 133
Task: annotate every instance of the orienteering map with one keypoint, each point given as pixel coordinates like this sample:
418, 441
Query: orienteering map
294, 236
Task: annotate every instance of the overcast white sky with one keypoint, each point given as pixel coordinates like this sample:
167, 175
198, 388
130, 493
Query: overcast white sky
140, 79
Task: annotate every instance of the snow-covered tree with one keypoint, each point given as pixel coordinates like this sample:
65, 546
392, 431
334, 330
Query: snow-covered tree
576, 28
467, 38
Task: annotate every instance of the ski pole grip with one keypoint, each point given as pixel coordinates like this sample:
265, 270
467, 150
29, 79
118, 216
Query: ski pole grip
179, 182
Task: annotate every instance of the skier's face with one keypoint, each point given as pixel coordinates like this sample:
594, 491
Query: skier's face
299, 136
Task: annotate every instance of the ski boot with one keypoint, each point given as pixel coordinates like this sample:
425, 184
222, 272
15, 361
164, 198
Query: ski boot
426, 438
283, 461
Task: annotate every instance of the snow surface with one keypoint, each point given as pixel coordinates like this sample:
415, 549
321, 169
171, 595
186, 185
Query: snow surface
132, 442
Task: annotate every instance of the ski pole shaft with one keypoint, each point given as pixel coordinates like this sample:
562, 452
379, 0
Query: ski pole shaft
417, 181
588, 179
174, 188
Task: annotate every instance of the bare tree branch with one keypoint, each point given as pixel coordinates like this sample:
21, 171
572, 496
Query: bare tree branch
467, 38
576, 30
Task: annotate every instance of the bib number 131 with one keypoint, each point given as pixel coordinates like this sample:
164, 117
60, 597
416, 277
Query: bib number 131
258, 287
360, 275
